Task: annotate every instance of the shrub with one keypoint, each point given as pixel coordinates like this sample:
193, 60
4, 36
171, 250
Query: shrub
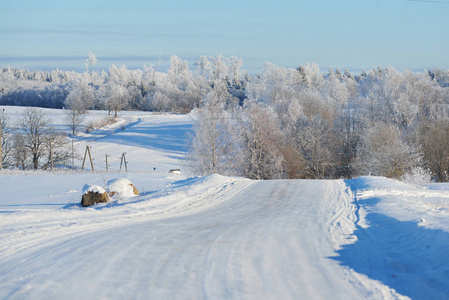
100, 123
417, 176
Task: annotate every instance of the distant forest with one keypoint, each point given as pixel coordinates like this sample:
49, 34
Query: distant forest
282, 123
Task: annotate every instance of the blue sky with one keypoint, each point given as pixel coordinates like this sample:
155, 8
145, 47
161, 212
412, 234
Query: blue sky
347, 34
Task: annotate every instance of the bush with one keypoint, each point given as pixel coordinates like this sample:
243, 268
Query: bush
417, 176
100, 123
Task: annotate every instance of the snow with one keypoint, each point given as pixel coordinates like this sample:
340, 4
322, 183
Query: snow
214, 237
89, 188
151, 142
121, 187
401, 237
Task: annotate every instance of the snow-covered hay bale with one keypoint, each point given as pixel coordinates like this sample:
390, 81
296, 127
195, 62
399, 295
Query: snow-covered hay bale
122, 187
93, 194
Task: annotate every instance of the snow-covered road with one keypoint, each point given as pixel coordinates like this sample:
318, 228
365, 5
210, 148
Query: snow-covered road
267, 240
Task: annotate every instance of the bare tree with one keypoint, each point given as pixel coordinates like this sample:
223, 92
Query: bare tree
57, 149
435, 142
6, 142
73, 116
294, 163
34, 123
20, 152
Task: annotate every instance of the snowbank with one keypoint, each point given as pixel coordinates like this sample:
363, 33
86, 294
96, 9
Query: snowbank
400, 238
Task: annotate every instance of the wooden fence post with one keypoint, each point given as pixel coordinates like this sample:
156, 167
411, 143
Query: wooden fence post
90, 158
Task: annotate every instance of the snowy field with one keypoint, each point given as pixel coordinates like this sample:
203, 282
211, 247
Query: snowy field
213, 237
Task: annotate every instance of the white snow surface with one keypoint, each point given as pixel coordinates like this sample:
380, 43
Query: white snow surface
122, 187
214, 237
90, 188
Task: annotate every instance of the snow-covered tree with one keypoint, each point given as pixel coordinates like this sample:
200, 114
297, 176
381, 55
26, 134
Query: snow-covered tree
311, 76
261, 142
235, 65
159, 102
326, 115
212, 147
203, 66
118, 98
178, 67
315, 142
383, 152
219, 67
90, 61
81, 97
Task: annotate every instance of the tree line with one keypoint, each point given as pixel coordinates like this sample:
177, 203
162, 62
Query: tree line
301, 123
178, 90
282, 123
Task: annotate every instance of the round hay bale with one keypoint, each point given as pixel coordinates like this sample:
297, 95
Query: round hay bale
135, 190
122, 187
93, 194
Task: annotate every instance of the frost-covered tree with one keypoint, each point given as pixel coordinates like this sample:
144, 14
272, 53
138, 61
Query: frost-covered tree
348, 130
235, 65
114, 97
178, 67
310, 75
219, 67
90, 61
325, 121
336, 90
382, 152
160, 101
221, 93
262, 142
212, 145
203, 66
81, 97
315, 142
